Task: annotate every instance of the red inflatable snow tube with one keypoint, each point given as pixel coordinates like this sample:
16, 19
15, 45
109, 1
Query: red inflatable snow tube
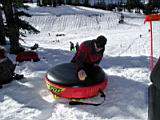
61, 81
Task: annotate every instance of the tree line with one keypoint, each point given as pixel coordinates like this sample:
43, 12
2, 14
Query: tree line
151, 7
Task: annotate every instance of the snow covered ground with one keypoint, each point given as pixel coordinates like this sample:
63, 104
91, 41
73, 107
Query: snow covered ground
126, 61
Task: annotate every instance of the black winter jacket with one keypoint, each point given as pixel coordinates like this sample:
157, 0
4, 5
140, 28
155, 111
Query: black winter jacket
6, 70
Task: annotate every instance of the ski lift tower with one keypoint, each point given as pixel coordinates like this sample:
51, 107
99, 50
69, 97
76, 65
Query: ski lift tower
150, 19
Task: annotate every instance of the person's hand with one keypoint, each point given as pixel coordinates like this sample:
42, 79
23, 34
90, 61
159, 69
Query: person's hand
82, 75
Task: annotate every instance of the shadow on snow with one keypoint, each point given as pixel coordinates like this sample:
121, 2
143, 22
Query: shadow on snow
117, 103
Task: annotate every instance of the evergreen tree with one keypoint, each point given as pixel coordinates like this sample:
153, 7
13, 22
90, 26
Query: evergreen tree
14, 23
69, 2
54, 3
100, 4
77, 2
39, 3
131, 4
49, 2
60, 2
44, 2
86, 2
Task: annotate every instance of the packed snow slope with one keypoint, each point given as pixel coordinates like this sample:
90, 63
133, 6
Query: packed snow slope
126, 61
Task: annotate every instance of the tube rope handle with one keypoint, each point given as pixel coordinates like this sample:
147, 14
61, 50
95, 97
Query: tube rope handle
89, 103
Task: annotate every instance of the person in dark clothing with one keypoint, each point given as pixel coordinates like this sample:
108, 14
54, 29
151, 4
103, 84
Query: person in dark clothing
71, 46
154, 93
121, 19
88, 56
7, 69
77, 46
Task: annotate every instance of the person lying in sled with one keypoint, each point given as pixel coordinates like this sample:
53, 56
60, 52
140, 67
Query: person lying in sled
88, 56
7, 69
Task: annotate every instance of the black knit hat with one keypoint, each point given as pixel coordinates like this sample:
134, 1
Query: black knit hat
101, 41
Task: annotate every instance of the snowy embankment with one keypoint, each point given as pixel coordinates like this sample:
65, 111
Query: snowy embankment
72, 22
125, 61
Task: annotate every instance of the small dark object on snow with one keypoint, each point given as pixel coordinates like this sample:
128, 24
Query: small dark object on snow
140, 35
18, 76
35, 46
60, 35
121, 19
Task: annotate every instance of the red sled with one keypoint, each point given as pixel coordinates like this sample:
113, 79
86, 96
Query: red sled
27, 56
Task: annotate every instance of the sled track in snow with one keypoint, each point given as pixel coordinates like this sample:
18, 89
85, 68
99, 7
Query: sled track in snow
134, 42
73, 22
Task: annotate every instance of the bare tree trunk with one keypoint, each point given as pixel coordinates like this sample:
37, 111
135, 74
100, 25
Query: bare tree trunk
13, 29
77, 2
61, 2
55, 3
39, 3
69, 2
86, 3
2, 30
44, 2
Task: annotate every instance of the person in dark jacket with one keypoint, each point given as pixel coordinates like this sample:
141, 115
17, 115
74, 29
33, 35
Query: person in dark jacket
7, 69
88, 56
71, 46
77, 46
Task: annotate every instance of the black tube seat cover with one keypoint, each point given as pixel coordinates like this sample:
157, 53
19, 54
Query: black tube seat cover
65, 75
